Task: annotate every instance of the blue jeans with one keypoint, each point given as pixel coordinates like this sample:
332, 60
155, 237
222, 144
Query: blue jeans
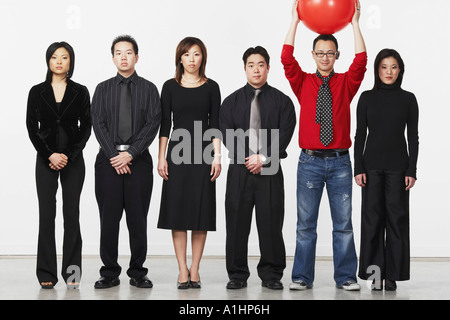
312, 175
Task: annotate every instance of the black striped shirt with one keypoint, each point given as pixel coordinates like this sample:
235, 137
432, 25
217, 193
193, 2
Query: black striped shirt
145, 108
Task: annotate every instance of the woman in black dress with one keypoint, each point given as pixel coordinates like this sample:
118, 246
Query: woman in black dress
59, 125
191, 164
385, 168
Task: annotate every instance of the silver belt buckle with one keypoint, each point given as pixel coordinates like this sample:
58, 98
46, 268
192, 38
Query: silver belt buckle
122, 147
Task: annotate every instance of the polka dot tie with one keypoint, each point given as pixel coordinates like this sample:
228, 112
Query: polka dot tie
324, 110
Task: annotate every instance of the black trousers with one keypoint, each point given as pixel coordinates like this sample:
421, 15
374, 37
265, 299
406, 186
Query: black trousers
72, 179
244, 192
116, 193
385, 226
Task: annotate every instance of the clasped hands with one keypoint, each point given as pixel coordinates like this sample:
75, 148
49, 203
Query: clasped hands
122, 163
58, 161
254, 164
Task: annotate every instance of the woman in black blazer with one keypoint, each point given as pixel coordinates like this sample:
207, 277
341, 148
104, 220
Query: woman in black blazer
59, 125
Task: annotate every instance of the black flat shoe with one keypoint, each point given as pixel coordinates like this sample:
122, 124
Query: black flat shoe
390, 285
236, 284
272, 284
142, 282
105, 283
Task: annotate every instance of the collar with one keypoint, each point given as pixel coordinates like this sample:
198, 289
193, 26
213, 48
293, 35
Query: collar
250, 90
319, 75
134, 78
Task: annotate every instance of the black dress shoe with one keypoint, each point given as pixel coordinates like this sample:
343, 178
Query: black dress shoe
105, 283
236, 284
142, 282
390, 285
272, 284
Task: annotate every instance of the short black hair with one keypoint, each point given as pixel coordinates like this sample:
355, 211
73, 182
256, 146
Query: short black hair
51, 50
125, 38
326, 37
256, 50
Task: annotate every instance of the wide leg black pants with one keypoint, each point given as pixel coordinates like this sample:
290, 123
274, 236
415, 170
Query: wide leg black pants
72, 179
116, 193
265, 193
385, 226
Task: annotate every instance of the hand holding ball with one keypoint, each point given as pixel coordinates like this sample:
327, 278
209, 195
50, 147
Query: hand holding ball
326, 16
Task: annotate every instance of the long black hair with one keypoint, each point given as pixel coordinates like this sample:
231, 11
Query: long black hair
383, 54
51, 50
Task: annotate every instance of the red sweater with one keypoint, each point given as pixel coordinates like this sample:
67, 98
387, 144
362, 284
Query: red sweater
306, 87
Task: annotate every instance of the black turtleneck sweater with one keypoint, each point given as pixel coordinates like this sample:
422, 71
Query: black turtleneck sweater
382, 116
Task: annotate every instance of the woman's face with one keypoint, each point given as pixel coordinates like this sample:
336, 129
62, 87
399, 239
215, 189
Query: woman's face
60, 61
389, 70
192, 59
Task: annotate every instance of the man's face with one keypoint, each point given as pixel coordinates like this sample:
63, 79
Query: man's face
256, 70
325, 64
125, 58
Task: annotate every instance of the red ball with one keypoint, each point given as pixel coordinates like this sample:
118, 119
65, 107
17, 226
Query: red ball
326, 16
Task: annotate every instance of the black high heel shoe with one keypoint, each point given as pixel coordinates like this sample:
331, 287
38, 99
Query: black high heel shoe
196, 284
184, 285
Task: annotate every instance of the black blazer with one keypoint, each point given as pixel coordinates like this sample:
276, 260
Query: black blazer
44, 120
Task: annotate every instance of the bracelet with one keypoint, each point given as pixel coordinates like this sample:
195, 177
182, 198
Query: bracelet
217, 155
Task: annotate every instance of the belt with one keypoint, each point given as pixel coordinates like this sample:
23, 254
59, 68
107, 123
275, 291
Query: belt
122, 147
325, 154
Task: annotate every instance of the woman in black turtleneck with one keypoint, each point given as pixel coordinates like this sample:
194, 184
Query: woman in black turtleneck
385, 168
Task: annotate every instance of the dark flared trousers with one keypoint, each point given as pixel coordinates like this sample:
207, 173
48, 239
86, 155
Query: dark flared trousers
72, 179
244, 192
116, 193
385, 226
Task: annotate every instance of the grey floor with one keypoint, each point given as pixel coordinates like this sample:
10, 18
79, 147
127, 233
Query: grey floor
430, 280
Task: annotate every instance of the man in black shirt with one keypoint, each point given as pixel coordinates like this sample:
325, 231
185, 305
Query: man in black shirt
255, 179
126, 115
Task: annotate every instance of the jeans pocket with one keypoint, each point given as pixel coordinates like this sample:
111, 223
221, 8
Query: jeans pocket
345, 160
305, 158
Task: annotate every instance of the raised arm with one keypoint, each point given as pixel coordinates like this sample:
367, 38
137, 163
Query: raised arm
290, 37
360, 45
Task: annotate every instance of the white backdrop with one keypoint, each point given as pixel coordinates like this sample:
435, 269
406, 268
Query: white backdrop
418, 29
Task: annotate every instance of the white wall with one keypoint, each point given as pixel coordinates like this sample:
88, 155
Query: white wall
417, 29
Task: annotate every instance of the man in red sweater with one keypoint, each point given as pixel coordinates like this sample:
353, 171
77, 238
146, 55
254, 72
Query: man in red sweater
324, 137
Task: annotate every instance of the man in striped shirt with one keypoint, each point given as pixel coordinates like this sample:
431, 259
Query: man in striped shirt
126, 116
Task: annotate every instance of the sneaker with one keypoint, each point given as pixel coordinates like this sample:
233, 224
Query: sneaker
350, 286
299, 285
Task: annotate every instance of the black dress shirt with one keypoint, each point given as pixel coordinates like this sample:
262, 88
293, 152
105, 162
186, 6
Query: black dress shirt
145, 109
277, 112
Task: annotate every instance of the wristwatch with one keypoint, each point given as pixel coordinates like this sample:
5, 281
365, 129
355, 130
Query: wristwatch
263, 158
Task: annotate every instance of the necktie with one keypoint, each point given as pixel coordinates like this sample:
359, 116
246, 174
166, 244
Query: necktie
324, 110
125, 112
255, 123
